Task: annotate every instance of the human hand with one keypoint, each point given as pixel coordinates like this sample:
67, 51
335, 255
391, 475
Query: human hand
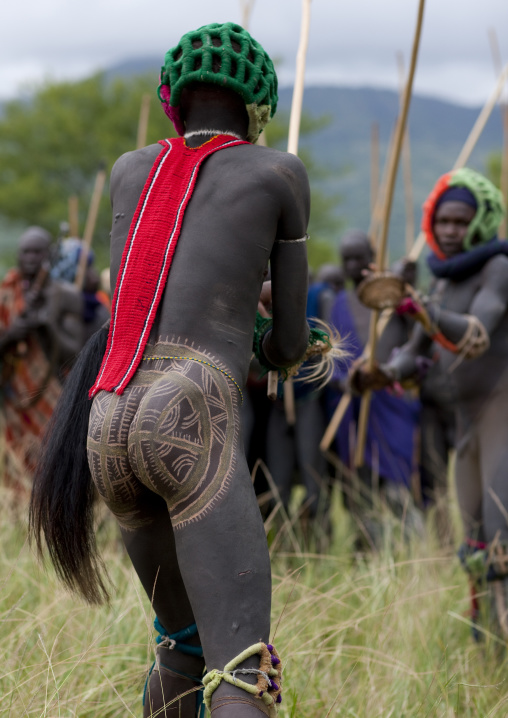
363, 377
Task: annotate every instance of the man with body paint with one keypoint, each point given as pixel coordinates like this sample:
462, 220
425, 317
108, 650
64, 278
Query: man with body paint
164, 444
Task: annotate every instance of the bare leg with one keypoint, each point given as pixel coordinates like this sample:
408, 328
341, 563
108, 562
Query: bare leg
183, 444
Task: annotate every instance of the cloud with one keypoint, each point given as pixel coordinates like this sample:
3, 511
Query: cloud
350, 43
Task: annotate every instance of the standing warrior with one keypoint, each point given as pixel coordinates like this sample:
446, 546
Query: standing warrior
467, 315
164, 444
392, 420
40, 331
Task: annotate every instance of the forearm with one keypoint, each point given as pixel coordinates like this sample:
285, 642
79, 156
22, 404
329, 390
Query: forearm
286, 342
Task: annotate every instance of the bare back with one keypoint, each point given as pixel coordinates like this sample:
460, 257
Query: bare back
245, 198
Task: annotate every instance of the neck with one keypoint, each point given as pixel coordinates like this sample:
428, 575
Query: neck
208, 133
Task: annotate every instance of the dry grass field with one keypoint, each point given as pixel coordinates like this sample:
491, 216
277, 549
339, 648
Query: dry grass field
370, 636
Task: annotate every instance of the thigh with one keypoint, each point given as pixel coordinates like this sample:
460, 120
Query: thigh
493, 431
468, 477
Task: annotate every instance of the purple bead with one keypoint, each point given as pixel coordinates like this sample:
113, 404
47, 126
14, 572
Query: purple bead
270, 647
278, 699
274, 686
261, 693
275, 661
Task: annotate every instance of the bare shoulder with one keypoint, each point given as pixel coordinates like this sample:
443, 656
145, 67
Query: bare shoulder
496, 269
281, 164
133, 164
283, 175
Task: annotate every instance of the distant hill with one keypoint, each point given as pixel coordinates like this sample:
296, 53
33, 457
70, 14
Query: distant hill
437, 129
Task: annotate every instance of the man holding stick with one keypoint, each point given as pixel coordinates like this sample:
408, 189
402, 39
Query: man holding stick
389, 455
467, 316
40, 331
164, 445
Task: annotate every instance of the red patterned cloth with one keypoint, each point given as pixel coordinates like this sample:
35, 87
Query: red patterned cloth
148, 254
28, 392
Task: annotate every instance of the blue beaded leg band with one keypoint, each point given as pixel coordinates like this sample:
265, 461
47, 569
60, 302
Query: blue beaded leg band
175, 642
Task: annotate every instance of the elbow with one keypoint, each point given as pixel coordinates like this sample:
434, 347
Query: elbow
286, 351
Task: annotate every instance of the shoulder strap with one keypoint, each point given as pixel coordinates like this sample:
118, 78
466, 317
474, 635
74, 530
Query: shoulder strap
148, 254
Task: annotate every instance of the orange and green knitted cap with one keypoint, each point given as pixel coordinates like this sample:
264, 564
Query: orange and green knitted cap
226, 55
489, 213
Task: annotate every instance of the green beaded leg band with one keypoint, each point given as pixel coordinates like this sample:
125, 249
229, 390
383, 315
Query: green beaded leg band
268, 686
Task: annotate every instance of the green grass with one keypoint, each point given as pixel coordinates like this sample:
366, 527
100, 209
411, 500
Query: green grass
378, 635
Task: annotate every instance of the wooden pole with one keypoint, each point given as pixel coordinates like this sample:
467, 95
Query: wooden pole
374, 166
406, 169
246, 6
375, 220
382, 249
301, 56
73, 216
481, 121
144, 114
498, 66
294, 132
90, 227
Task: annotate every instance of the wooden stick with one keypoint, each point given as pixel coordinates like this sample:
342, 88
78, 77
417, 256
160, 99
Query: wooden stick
294, 132
296, 105
90, 227
375, 220
73, 216
406, 169
481, 121
374, 166
246, 6
144, 114
346, 398
381, 253
498, 67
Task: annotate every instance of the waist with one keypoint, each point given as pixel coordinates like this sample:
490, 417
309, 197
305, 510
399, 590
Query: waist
161, 352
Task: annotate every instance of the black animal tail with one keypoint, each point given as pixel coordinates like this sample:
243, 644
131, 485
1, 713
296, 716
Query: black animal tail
61, 505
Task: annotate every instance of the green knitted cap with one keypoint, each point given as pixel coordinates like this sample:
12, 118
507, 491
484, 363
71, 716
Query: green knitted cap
489, 214
226, 55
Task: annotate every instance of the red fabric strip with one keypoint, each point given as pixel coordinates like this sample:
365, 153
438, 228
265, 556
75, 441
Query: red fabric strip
147, 256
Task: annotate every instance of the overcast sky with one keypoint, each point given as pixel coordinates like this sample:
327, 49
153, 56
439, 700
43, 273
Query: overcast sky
353, 42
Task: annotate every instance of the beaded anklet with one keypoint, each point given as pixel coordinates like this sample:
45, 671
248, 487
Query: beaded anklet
265, 689
200, 361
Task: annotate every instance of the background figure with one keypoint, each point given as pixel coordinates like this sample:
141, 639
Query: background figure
293, 453
468, 316
96, 303
40, 332
389, 456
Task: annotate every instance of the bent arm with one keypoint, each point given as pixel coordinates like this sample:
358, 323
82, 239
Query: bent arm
488, 307
405, 364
